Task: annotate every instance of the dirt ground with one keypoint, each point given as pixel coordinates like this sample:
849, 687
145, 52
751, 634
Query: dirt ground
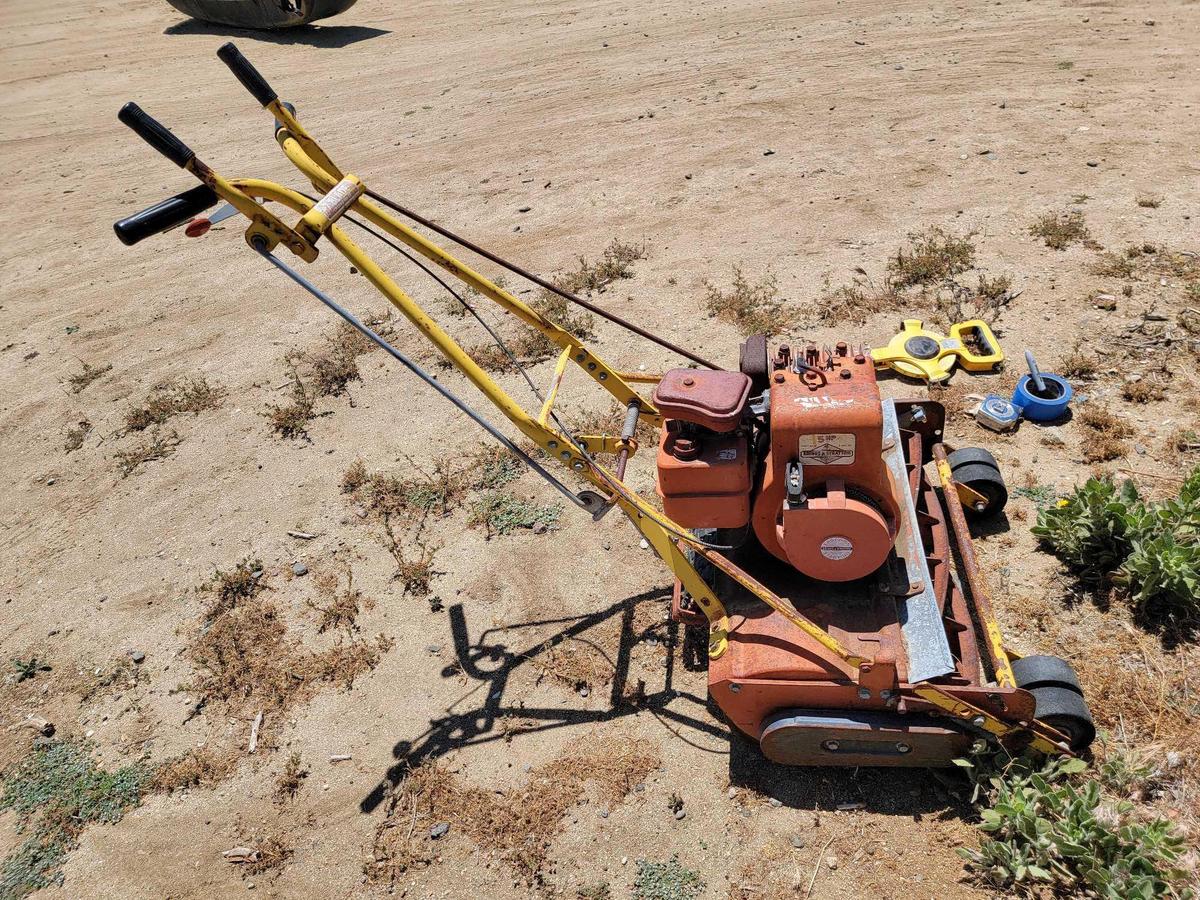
800, 140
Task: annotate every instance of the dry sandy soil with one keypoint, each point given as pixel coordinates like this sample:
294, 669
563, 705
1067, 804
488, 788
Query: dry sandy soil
642, 122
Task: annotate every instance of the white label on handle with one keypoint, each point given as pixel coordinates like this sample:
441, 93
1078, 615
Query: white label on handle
340, 198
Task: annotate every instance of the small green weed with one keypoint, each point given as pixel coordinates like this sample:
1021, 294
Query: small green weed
668, 880
410, 499
494, 467
291, 779
854, 302
240, 583
1050, 827
28, 668
414, 572
454, 308
290, 419
1150, 550
503, 513
1042, 495
55, 792
530, 346
1080, 363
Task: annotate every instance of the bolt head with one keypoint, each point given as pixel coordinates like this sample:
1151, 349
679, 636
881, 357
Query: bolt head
735, 688
830, 745
864, 694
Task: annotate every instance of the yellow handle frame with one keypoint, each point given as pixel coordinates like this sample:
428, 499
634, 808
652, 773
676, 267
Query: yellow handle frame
667, 538
342, 192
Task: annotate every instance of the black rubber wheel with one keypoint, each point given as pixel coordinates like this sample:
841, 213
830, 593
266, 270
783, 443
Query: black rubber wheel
260, 13
753, 361
1063, 709
986, 481
969, 455
1045, 671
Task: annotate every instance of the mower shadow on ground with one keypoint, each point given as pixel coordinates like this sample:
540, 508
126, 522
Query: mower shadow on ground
489, 663
333, 36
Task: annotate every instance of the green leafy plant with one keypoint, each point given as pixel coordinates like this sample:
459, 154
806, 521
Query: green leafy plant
1089, 530
1150, 550
504, 513
28, 668
1042, 495
668, 880
55, 792
1050, 825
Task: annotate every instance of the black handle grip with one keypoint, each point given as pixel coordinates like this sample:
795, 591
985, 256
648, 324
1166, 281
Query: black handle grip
246, 73
156, 134
167, 214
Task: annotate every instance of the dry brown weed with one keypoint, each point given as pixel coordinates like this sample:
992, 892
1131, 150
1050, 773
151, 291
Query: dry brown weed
1060, 230
1106, 435
157, 445
753, 307
172, 397
518, 824
202, 767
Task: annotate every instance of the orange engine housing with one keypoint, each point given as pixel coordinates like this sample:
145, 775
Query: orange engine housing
704, 473
826, 416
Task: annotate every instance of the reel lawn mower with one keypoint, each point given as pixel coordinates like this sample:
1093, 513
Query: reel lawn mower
847, 619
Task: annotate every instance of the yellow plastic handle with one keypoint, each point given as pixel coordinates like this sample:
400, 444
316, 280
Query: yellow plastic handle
976, 332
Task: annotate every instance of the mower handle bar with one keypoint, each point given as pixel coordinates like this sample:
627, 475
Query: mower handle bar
249, 76
156, 134
178, 209
165, 215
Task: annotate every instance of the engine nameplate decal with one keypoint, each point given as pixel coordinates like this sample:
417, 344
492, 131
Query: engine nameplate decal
836, 547
824, 449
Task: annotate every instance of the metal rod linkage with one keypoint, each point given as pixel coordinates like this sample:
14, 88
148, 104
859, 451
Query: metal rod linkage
353, 321
540, 282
